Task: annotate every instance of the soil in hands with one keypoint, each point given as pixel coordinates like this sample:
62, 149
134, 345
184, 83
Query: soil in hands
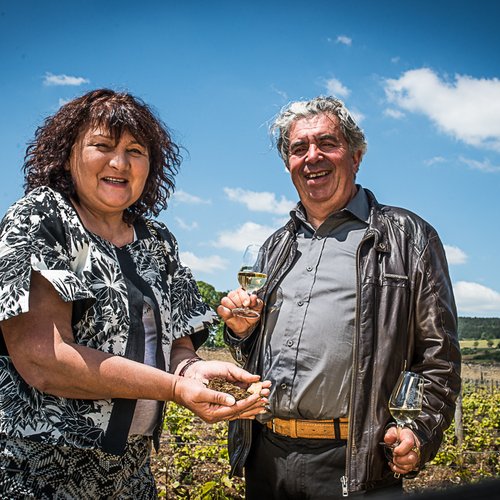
222, 385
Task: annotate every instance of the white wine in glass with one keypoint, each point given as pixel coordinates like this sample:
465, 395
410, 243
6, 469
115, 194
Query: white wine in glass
406, 399
252, 276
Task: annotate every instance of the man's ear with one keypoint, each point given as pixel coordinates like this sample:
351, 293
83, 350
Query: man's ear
356, 160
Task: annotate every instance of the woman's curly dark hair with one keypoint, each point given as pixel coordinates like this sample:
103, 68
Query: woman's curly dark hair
49, 152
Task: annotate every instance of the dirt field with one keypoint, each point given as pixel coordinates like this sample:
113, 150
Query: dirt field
481, 344
473, 371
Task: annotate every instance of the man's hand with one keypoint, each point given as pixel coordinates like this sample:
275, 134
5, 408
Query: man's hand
406, 455
212, 406
239, 298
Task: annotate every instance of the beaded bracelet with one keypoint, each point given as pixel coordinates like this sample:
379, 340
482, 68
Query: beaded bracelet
188, 364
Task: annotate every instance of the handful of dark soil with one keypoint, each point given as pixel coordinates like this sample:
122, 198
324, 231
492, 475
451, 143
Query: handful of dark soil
222, 385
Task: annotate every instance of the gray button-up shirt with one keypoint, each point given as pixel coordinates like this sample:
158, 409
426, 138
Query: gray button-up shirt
307, 348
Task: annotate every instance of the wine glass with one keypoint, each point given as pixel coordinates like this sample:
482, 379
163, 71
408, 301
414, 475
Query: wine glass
405, 402
252, 276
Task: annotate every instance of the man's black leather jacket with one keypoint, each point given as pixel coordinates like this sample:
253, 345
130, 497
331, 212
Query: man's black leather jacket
405, 319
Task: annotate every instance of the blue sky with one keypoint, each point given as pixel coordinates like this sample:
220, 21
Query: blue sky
421, 77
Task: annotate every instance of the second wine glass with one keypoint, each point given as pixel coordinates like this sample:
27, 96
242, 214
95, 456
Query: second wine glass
406, 399
252, 276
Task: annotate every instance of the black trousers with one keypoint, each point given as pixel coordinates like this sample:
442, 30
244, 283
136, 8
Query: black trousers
285, 468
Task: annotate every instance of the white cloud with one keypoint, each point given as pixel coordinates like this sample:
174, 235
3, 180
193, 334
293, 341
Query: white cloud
394, 113
249, 232
203, 264
344, 40
184, 225
50, 79
476, 300
468, 108
455, 255
280, 221
335, 88
395, 59
183, 197
435, 160
260, 201
357, 115
483, 166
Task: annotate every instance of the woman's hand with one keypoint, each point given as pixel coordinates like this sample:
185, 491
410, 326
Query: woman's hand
406, 454
239, 298
212, 406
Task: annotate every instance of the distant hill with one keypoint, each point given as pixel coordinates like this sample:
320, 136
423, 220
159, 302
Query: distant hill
478, 328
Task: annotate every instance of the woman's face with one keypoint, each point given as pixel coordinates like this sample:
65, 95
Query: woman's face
108, 176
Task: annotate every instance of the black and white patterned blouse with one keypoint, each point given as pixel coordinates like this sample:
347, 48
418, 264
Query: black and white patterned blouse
42, 232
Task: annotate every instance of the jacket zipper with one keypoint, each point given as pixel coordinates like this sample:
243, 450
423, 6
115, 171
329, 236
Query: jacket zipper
238, 353
345, 479
343, 482
239, 356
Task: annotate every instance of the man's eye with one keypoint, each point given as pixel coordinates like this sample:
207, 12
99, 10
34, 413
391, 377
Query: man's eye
101, 145
299, 150
327, 146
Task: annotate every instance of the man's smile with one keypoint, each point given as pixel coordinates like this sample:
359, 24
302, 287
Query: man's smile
315, 175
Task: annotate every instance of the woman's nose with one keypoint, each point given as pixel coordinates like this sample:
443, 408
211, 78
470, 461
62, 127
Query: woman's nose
119, 160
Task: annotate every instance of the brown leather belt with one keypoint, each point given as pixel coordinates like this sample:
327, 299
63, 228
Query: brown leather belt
310, 429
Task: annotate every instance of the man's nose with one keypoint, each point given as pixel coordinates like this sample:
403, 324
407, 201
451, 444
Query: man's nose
313, 153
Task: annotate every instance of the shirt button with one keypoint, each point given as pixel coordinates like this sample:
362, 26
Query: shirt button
283, 386
309, 268
289, 343
300, 303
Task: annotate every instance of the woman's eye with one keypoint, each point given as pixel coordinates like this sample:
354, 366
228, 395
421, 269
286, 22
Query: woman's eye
136, 151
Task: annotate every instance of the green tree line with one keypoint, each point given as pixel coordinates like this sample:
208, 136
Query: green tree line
212, 297
478, 328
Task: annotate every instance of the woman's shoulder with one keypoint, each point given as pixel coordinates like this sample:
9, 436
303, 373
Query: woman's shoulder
160, 229
42, 207
42, 198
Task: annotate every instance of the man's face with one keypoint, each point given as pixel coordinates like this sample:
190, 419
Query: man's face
321, 165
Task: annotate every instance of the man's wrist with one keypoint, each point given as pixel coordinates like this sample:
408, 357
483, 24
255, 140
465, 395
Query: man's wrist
238, 337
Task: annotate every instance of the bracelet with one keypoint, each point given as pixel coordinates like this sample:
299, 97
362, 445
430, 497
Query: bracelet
188, 364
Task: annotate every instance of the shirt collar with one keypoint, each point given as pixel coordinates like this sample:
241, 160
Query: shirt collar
358, 207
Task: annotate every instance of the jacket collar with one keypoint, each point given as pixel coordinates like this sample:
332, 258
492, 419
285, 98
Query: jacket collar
376, 225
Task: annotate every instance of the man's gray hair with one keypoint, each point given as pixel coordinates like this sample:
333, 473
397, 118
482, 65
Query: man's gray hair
297, 110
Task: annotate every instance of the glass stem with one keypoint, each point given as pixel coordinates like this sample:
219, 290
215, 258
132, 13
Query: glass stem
397, 475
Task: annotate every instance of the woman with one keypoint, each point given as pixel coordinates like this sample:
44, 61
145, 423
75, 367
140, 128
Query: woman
99, 319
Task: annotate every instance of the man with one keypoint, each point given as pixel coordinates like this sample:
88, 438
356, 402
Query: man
356, 293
